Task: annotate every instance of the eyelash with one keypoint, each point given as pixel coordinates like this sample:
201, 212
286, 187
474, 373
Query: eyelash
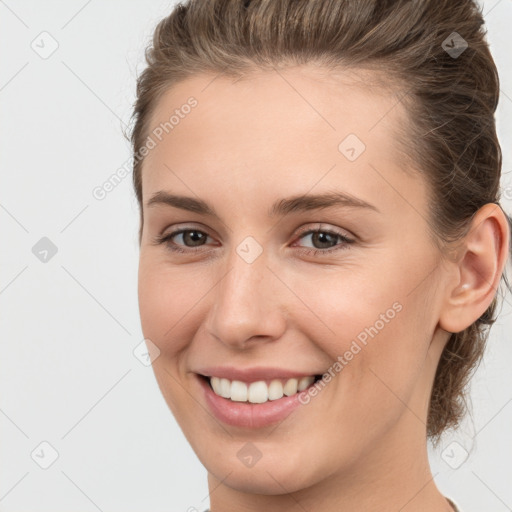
165, 239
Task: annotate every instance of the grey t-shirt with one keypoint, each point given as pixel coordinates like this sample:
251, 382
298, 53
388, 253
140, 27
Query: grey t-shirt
455, 507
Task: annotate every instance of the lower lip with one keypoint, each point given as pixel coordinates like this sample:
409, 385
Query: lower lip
243, 414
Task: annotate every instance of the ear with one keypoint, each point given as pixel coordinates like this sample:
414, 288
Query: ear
478, 268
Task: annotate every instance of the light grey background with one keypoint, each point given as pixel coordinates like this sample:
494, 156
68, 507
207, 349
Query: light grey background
68, 375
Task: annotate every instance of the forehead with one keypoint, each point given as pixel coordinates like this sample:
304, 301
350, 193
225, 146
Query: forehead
307, 99
288, 127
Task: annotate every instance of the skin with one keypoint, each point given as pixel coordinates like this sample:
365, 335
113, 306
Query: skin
360, 444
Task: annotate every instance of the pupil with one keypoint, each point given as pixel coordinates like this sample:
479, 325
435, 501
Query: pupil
194, 235
317, 237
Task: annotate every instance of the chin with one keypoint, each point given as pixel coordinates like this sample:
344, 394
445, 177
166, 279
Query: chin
279, 474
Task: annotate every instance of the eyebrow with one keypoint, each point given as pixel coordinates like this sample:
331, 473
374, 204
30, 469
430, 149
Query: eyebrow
282, 207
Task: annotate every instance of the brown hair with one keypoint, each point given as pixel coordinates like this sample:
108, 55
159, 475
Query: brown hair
450, 97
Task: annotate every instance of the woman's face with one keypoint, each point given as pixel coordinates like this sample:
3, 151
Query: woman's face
265, 285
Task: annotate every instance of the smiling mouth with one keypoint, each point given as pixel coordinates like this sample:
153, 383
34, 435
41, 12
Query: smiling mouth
260, 391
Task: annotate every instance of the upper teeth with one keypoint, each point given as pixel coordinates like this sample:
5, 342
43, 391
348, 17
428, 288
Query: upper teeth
258, 392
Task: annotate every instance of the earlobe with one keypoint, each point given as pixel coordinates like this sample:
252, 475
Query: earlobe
484, 252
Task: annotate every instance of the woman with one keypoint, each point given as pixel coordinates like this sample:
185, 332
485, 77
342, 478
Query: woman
321, 241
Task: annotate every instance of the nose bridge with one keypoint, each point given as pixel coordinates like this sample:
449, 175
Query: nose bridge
245, 300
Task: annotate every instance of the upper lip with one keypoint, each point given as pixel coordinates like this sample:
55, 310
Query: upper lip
253, 374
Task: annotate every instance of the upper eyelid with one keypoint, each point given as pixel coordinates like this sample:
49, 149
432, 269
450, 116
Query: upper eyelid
322, 227
315, 226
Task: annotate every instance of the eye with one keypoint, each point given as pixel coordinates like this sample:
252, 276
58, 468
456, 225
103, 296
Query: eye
325, 240
196, 237
193, 239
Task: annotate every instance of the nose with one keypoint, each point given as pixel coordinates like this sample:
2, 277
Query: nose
246, 304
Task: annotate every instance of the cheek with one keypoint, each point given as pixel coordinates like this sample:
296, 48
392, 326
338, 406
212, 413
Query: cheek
168, 300
374, 327
166, 304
